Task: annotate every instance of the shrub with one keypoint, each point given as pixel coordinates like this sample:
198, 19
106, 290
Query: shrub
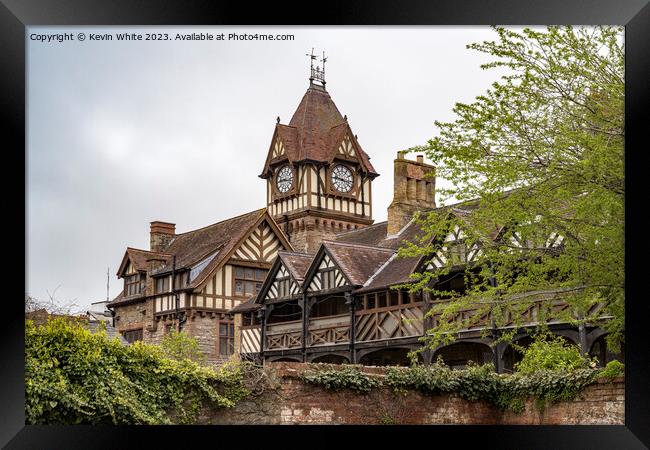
612, 369
73, 376
549, 352
345, 377
179, 346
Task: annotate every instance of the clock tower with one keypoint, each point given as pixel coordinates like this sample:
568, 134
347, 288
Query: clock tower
318, 178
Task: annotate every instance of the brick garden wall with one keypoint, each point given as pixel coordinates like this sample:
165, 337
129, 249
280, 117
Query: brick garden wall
293, 402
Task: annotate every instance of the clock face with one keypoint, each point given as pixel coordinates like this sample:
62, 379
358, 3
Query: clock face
342, 178
284, 179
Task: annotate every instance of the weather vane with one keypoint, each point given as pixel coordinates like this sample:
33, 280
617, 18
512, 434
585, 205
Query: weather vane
317, 73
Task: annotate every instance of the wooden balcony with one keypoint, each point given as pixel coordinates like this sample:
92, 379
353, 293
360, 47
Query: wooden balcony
284, 335
329, 330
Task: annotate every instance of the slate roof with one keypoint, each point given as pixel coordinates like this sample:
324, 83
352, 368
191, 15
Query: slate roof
315, 130
358, 262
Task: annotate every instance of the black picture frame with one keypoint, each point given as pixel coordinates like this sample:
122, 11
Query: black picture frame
16, 15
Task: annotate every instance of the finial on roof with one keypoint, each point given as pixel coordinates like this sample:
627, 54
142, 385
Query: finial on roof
277, 120
316, 73
356, 138
345, 117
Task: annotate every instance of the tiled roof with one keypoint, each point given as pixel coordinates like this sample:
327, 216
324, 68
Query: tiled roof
247, 306
140, 258
397, 270
358, 262
315, 130
195, 246
296, 263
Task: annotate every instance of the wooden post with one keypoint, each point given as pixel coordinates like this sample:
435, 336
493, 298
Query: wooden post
305, 324
427, 355
350, 300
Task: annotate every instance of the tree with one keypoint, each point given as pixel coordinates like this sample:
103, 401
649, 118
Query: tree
538, 159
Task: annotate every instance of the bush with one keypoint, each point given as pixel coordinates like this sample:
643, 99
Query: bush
345, 377
179, 346
480, 382
612, 369
73, 376
549, 352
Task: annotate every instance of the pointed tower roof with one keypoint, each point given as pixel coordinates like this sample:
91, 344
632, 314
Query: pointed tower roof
315, 116
315, 131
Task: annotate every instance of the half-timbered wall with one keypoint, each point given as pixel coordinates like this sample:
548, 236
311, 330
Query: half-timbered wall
328, 276
261, 245
312, 191
283, 285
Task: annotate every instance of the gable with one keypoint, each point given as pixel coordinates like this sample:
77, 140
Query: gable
346, 148
278, 149
261, 245
455, 249
326, 276
283, 285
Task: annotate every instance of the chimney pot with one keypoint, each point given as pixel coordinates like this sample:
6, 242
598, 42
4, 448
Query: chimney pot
420, 159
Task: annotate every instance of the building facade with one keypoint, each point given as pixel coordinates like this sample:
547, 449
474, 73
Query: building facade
310, 277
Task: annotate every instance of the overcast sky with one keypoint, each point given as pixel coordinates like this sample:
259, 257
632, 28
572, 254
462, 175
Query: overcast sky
124, 133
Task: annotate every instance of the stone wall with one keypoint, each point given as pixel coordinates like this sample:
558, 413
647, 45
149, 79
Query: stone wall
290, 401
131, 316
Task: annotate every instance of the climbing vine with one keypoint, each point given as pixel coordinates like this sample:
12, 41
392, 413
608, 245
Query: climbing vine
474, 383
73, 376
345, 377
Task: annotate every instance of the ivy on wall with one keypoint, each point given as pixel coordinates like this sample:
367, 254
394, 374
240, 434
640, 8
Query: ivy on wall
73, 376
474, 383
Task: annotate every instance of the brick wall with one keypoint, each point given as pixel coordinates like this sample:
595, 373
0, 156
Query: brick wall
290, 401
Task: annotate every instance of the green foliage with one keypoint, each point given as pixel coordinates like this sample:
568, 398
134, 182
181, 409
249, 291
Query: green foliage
550, 352
346, 377
480, 382
474, 383
73, 376
613, 369
179, 346
541, 152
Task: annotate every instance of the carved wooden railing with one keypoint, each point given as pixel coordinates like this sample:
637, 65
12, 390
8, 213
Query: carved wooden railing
389, 322
285, 335
529, 313
329, 336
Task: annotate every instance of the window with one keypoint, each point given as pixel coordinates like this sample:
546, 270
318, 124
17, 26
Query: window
180, 280
394, 298
162, 285
132, 335
134, 284
248, 281
328, 277
226, 338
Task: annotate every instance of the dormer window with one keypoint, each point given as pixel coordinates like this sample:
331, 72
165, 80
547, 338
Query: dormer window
134, 284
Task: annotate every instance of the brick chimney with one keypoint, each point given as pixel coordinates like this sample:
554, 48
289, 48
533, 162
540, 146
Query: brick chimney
413, 190
161, 234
